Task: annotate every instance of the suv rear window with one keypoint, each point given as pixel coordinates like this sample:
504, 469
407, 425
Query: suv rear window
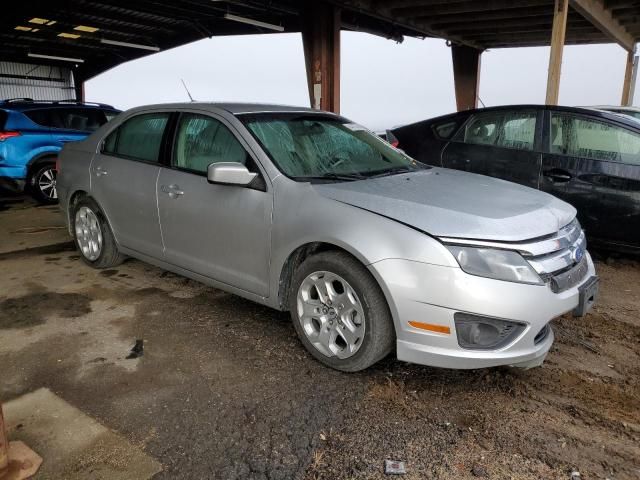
81, 119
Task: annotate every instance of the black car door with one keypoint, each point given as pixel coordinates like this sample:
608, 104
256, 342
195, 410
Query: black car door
594, 164
503, 144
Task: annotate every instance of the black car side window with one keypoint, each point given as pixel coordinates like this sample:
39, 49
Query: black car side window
516, 130
138, 138
583, 137
445, 130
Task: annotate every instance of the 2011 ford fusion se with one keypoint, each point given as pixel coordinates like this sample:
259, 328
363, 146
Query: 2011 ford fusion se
305, 211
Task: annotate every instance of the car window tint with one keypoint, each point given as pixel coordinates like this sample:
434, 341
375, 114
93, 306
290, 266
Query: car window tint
582, 137
203, 140
43, 117
3, 118
501, 129
139, 137
445, 130
80, 119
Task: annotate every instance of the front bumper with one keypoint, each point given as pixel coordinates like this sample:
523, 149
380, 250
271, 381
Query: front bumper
432, 294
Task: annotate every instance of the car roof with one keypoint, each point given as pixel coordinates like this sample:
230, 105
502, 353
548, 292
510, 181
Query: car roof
592, 111
616, 107
235, 108
24, 104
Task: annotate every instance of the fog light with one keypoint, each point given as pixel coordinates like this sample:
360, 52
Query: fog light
483, 333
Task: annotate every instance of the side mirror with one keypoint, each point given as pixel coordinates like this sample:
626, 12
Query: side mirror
230, 173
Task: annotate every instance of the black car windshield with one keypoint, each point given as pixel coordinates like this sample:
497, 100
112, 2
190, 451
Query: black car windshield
322, 147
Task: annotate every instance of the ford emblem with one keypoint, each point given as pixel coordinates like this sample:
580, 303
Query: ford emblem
577, 254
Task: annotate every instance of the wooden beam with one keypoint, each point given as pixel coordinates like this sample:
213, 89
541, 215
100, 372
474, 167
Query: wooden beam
629, 73
320, 28
596, 13
464, 7
466, 75
560, 11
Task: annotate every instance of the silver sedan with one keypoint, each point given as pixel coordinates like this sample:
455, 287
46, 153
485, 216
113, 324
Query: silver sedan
371, 251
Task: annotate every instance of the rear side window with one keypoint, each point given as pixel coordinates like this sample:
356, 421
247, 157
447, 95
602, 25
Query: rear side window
583, 137
3, 119
516, 130
79, 119
444, 131
43, 117
139, 138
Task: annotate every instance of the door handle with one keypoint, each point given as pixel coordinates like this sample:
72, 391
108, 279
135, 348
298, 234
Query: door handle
557, 175
101, 171
172, 190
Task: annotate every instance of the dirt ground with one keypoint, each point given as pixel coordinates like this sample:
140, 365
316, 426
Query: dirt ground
225, 390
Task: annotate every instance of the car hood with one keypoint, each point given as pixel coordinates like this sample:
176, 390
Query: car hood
451, 203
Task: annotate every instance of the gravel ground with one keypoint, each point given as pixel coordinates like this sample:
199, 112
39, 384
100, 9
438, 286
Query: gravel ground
225, 390
579, 412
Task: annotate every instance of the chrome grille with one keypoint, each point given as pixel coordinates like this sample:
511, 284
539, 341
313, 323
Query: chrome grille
550, 256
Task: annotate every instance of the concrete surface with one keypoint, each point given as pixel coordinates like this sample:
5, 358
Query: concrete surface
73, 445
24, 224
224, 389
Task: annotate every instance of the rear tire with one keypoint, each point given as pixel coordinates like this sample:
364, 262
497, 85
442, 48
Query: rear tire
42, 183
350, 328
93, 236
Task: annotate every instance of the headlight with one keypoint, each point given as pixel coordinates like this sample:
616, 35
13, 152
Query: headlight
493, 263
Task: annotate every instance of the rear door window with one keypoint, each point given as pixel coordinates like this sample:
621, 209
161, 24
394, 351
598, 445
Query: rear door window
3, 119
138, 138
583, 137
515, 130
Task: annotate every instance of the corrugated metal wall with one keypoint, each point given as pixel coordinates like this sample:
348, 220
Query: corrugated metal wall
40, 82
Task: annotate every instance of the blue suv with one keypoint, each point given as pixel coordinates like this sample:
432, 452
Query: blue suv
33, 132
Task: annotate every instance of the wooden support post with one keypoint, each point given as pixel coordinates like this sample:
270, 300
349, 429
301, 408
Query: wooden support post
629, 74
4, 447
557, 44
466, 75
321, 41
78, 85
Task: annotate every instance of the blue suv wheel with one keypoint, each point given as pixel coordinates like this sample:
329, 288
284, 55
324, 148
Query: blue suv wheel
42, 182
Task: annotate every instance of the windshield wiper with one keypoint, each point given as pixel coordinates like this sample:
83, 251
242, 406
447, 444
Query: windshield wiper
392, 171
334, 176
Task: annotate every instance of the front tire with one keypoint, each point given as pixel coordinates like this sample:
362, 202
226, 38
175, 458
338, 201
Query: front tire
340, 313
93, 236
42, 183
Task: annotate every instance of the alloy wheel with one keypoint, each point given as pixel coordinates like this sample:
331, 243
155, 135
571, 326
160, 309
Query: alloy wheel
46, 182
88, 233
331, 314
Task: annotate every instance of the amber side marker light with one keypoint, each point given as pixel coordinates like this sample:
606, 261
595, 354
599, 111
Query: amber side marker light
431, 327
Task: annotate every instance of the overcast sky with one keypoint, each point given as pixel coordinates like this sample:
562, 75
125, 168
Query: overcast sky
383, 83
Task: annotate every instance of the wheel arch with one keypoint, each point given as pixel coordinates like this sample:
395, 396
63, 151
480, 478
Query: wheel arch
70, 207
49, 155
299, 255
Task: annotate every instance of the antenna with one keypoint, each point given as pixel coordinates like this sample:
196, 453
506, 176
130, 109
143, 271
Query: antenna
188, 93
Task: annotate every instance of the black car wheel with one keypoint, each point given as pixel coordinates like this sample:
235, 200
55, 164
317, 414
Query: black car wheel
42, 184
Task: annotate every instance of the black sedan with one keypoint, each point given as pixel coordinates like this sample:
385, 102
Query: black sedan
587, 157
